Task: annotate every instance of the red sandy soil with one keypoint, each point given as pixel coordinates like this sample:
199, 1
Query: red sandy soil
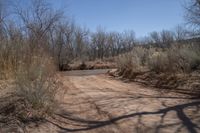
93, 102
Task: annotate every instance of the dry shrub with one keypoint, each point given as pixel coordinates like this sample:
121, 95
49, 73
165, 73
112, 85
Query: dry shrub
10, 57
174, 68
37, 85
6, 64
32, 95
158, 62
185, 58
134, 62
176, 59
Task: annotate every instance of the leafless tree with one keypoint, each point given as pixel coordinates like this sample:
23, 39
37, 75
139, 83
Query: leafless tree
99, 40
167, 37
180, 33
155, 38
81, 36
38, 19
3, 15
128, 38
193, 13
113, 44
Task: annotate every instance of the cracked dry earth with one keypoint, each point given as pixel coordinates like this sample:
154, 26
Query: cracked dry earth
94, 102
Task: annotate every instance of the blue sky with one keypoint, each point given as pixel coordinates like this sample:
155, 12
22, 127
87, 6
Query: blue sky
142, 16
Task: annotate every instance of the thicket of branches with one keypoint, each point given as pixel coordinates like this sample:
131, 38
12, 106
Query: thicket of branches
192, 15
39, 29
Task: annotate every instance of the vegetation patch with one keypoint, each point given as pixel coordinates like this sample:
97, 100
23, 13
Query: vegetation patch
171, 68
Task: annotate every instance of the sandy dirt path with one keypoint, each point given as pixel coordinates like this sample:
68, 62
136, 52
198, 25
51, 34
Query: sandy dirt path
94, 102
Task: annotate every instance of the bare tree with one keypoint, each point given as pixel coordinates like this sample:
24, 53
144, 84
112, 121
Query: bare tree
113, 44
39, 18
3, 12
99, 40
3, 15
81, 36
128, 38
180, 33
193, 13
155, 39
167, 37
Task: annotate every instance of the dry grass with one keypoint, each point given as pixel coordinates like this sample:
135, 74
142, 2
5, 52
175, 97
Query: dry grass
36, 84
177, 59
134, 62
182, 59
171, 68
33, 73
31, 96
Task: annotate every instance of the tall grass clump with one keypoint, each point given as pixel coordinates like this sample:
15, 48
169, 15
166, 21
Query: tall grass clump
184, 59
134, 62
177, 59
158, 61
37, 85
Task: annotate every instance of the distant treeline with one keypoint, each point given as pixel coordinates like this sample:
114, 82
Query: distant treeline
39, 29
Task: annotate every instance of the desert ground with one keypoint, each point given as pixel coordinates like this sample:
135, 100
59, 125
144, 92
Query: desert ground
95, 102
99, 66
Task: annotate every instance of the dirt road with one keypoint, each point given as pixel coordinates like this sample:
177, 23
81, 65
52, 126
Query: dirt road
97, 103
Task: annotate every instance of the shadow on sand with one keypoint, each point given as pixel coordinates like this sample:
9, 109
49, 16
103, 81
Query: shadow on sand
185, 121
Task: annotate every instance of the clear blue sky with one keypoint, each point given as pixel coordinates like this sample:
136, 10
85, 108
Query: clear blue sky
142, 16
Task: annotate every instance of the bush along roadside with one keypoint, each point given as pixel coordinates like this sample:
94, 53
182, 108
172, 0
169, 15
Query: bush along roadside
169, 68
